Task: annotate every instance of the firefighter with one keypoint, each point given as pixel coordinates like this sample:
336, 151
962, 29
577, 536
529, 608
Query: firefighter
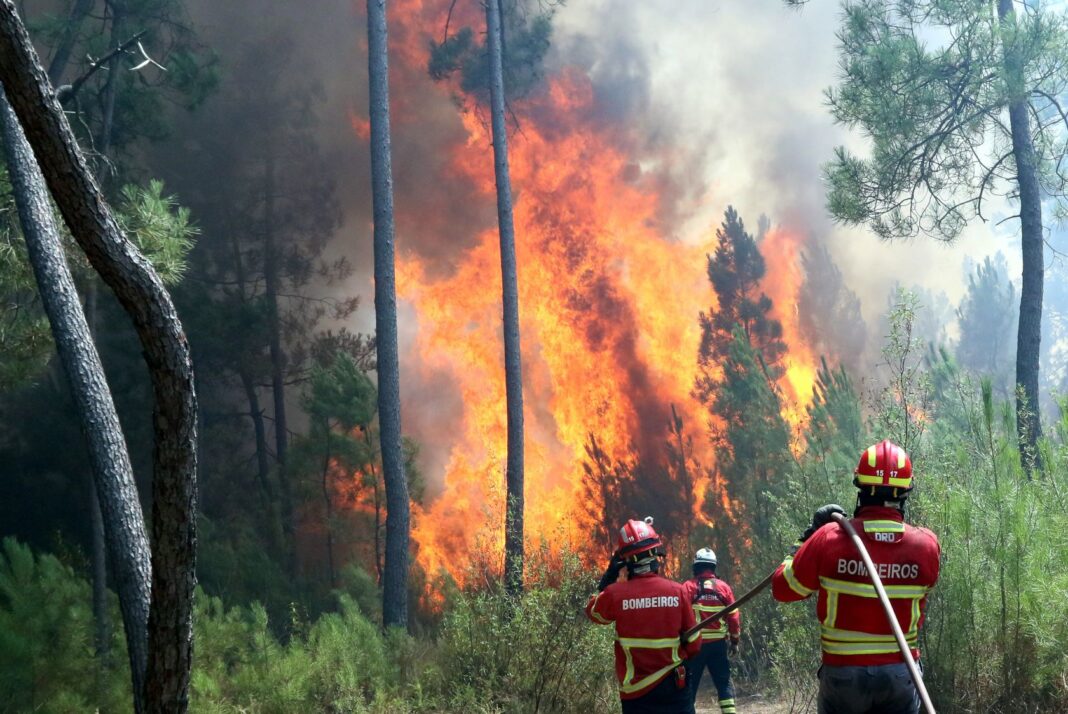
863, 670
650, 613
709, 595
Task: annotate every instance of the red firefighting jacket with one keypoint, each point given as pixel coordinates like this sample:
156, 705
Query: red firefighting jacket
854, 629
709, 595
650, 613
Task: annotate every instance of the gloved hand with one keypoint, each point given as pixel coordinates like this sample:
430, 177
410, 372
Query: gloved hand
820, 518
734, 648
611, 573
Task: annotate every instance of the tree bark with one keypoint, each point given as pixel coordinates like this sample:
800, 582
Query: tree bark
101, 621
60, 59
127, 540
513, 369
107, 124
1029, 332
166, 350
263, 463
278, 361
395, 580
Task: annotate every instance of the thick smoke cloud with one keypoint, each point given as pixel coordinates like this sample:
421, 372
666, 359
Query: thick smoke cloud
736, 89
717, 104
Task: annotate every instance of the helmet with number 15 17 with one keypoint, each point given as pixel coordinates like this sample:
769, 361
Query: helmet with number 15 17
883, 468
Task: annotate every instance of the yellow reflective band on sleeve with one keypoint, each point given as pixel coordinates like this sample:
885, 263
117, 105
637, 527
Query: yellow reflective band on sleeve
791, 578
883, 527
596, 615
895, 592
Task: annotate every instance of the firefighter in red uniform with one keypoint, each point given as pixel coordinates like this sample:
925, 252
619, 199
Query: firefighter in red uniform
709, 595
650, 613
863, 670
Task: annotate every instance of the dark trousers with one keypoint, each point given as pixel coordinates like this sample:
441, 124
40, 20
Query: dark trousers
664, 698
883, 689
713, 657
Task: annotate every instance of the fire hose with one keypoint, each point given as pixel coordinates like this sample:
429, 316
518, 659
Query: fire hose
884, 600
906, 651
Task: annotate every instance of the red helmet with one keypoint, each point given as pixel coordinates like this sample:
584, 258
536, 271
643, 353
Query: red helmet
884, 465
637, 537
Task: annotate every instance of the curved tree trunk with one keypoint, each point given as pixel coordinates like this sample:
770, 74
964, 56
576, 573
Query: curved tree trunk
513, 369
1029, 332
124, 527
395, 579
166, 350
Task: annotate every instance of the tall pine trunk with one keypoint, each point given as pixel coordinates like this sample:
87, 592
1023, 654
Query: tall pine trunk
142, 295
1029, 334
68, 39
513, 370
278, 361
395, 577
124, 527
101, 621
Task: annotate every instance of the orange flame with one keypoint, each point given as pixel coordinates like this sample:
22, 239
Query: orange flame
782, 283
608, 310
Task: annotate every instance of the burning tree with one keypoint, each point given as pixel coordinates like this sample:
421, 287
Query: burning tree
395, 577
489, 80
740, 361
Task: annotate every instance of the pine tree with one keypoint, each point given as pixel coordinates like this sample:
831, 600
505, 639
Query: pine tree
739, 360
829, 311
987, 317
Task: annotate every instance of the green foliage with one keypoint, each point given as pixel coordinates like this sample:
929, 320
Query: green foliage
537, 653
735, 271
25, 341
988, 315
159, 226
997, 619
739, 361
928, 82
156, 223
46, 651
527, 35
828, 310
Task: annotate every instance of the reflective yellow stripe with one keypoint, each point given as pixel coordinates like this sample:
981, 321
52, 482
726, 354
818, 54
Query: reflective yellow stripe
861, 648
832, 609
791, 579
899, 482
648, 644
596, 615
883, 527
872, 453
895, 592
834, 634
901, 458
628, 643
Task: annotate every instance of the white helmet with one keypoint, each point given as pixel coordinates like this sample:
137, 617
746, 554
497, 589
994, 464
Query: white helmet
704, 557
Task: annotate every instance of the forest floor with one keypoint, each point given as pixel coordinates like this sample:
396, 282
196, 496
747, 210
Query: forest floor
706, 704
